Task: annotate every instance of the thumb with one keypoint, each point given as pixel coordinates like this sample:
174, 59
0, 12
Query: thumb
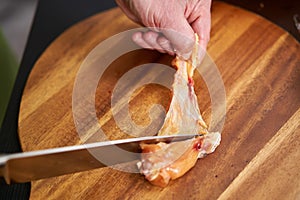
181, 35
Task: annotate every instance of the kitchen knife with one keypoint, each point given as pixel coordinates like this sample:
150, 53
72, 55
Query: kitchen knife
34, 165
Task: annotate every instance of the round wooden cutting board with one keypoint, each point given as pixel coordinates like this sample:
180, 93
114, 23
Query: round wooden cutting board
259, 155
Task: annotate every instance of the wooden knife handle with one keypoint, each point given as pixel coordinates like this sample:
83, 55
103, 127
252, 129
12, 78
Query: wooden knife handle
3, 169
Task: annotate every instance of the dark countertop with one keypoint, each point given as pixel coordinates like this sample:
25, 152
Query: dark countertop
53, 17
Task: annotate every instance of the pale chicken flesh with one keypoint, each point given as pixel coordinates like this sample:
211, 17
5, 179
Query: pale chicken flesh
163, 162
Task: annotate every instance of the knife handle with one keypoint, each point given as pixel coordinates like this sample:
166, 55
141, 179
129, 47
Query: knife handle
3, 169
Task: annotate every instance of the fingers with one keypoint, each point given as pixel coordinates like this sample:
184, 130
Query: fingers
183, 38
202, 27
138, 38
178, 27
183, 42
166, 45
153, 40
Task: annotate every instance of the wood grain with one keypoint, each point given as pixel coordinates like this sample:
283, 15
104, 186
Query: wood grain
259, 154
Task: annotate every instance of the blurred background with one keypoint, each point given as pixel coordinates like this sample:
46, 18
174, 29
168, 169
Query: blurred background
15, 21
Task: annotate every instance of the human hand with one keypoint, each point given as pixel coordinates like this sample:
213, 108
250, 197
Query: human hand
182, 17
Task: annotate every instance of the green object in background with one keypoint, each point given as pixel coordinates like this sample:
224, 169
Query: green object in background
8, 72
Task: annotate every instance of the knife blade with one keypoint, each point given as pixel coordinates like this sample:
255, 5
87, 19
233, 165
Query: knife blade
35, 165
